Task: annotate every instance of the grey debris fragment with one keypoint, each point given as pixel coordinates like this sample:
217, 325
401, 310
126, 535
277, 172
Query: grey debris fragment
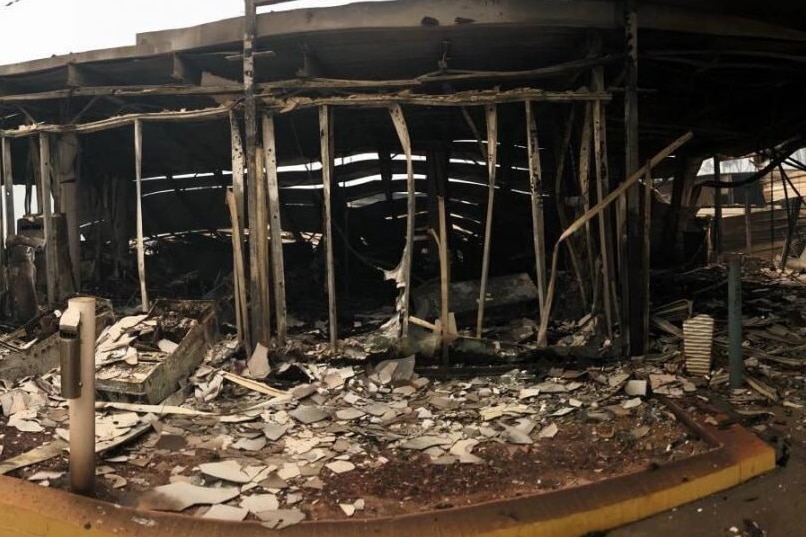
308, 414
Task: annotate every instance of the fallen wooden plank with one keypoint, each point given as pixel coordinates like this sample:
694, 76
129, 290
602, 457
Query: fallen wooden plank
34, 456
159, 410
595, 210
255, 386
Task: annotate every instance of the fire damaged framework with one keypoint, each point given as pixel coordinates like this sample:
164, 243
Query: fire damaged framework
407, 141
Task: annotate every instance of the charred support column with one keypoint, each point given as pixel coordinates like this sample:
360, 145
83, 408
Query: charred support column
237, 168
8, 188
51, 268
492, 160
538, 223
404, 278
326, 144
716, 229
5, 171
141, 257
67, 176
277, 262
259, 308
602, 187
385, 165
239, 278
634, 299
735, 321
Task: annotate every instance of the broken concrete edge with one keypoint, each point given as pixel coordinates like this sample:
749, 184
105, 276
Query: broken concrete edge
738, 455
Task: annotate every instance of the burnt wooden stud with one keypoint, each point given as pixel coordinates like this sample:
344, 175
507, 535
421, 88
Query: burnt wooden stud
408, 252
492, 161
326, 145
275, 228
138, 174
51, 268
535, 189
239, 277
8, 187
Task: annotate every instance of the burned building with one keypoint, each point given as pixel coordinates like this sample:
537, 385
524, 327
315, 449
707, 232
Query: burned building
357, 141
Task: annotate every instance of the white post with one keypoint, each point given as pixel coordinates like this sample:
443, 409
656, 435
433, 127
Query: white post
79, 320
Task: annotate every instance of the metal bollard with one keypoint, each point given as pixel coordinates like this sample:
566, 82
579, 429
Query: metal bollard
77, 345
735, 321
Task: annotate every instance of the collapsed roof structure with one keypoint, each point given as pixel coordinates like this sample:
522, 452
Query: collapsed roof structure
345, 134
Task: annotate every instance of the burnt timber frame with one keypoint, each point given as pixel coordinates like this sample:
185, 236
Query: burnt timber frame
615, 237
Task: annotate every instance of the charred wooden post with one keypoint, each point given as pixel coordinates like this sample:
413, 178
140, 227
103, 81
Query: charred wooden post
634, 300
51, 266
586, 137
646, 250
716, 228
385, 165
239, 277
259, 310
536, 191
138, 171
8, 188
444, 280
277, 261
66, 176
261, 237
602, 186
559, 174
597, 209
492, 161
326, 144
237, 169
404, 278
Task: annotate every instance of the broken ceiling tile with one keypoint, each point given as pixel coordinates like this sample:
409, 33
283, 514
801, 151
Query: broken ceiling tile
351, 398
442, 403
166, 345
359, 504
179, 496
617, 379
347, 508
462, 449
377, 409
250, 444
640, 432
258, 363
421, 443
516, 436
226, 512
348, 414
225, 470
24, 425
258, 503
551, 387
405, 391
302, 391
562, 411
281, 518
340, 467
288, 471
274, 432
526, 425
314, 483
43, 475
631, 403
118, 482
635, 388
308, 414
333, 381
527, 393
298, 446
549, 431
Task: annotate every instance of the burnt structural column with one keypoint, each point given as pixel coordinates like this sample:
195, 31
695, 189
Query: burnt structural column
634, 299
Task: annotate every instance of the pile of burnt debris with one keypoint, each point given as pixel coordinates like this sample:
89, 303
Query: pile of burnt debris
188, 421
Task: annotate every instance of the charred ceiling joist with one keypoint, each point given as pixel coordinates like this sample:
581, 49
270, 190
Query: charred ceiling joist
357, 134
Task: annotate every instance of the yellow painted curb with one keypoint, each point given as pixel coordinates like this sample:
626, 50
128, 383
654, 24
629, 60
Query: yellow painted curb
28, 510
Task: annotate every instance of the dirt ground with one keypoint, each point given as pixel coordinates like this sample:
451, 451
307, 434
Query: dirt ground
410, 481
